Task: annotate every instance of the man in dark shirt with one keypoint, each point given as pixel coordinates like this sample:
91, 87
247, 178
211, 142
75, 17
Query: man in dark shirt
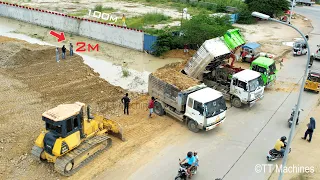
63, 52
125, 100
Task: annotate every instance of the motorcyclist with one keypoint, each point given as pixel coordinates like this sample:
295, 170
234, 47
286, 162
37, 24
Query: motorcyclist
279, 146
195, 154
292, 114
190, 162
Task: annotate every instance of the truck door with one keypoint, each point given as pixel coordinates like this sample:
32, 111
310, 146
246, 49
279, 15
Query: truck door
198, 111
195, 110
240, 89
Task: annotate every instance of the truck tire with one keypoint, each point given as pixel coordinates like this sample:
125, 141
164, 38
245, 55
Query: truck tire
193, 126
236, 102
158, 109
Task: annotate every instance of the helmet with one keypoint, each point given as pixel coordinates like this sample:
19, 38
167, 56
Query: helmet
189, 154
283, 138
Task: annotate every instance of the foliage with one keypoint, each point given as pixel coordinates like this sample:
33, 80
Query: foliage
139, 22
163, 44
317, 1
98, 7
125, 71
195, 31
203, 27
269, 7
245, 16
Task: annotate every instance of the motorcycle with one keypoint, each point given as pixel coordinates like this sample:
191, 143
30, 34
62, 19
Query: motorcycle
274, 154
183, 173
290, 120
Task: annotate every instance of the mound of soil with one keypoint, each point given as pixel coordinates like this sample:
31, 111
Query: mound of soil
172, 75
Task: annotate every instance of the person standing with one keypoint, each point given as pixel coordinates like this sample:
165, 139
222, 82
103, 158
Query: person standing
281, 63
151, 106
185, 50
311, 127
123, 21
63, 52
126, 100
57, 54
71, 49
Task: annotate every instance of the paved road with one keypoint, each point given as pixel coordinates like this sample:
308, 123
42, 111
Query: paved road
232, 150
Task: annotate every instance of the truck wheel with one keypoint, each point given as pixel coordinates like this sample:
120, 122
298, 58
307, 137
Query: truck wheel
158, 108
236, 102
193, 126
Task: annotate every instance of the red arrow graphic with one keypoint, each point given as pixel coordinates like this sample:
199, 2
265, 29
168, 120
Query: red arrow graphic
57, 35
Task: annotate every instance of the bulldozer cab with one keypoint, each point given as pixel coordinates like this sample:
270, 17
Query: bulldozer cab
313, 82
64, 119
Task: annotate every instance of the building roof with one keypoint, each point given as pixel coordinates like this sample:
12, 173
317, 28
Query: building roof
205, 95
216, 47
251, 45
246, 75
263, 61
63, 111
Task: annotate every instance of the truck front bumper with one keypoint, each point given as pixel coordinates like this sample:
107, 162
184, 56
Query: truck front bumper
210, 127
251, 103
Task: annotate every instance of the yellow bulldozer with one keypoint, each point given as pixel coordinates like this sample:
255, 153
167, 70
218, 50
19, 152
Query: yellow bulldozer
73, 136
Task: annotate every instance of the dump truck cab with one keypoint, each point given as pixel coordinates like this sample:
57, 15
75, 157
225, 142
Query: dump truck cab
246, 88
206, 107
267, 68
250, 52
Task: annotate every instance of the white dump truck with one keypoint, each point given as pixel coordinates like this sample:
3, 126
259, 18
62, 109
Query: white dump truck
237, 85
200, 107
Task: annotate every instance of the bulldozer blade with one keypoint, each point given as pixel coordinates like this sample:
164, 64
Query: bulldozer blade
114, 129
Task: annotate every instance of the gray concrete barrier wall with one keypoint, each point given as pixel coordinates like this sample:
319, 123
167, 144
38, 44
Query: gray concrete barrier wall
122, 36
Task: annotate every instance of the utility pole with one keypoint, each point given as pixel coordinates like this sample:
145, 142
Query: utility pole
294, 120
291, 11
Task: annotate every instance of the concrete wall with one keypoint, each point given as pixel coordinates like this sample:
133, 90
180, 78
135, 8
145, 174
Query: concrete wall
118, 35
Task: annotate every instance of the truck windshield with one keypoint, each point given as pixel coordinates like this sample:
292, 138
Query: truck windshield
215, 107
272, 68
255, 83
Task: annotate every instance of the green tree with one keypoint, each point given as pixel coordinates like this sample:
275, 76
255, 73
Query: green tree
269, 7
203, 27
195, 31
163, 44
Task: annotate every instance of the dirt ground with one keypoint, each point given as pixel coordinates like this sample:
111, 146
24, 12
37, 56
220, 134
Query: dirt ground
310, 152
32, 82
130, 9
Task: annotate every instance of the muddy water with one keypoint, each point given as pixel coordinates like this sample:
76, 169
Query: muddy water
108, 61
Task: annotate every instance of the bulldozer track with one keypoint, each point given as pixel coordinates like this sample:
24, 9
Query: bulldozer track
62, 162
36, 151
